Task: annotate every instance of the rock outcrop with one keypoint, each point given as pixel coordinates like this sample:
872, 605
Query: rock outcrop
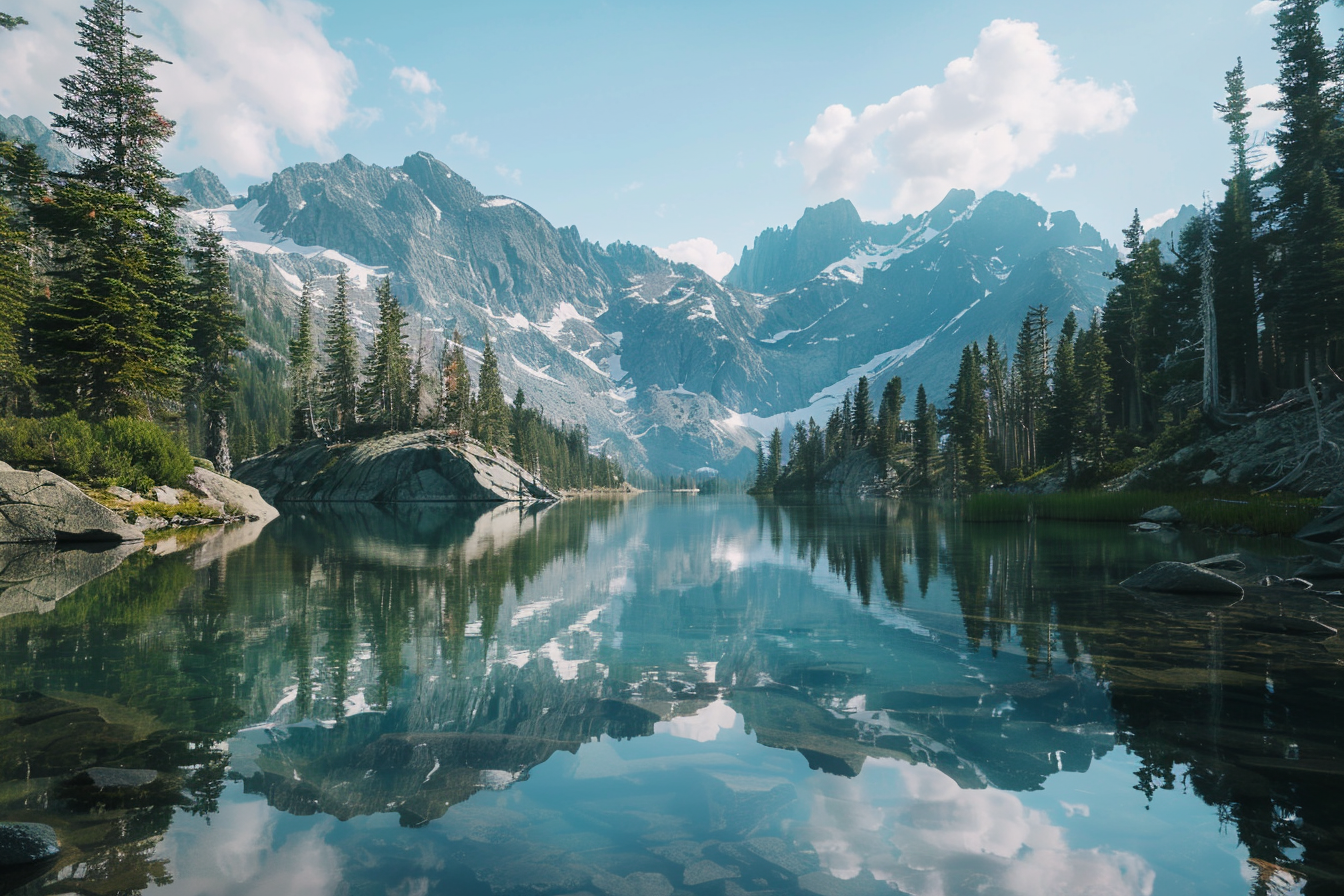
1181, 578
402, 468
43, 507
232, 496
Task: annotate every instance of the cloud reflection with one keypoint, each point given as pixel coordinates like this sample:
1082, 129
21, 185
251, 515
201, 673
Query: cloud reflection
914, 827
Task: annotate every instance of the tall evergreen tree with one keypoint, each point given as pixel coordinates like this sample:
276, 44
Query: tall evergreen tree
1094, 386
22, 183
490, 418
1065, 411
386, 395
216, 338
926, 435
1031, 378
967, 416
110, 334
340, 377
889, 420
774, 465
1128, 325
303, 385
456, 409
1233, 244
863, 412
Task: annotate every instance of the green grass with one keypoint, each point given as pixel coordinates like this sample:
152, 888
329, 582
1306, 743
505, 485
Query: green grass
1272, 514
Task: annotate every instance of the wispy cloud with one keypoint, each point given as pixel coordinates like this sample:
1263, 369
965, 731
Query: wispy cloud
1060, 173
414, 80
1264, 8
470, 144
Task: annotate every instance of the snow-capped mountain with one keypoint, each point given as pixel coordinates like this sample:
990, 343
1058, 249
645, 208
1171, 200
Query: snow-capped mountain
669, 368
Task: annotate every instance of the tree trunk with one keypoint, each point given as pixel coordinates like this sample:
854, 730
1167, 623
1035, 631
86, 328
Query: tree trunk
217, 442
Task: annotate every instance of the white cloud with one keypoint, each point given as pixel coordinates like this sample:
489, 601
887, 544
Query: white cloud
471, 144
1263, 119
508, 173
1158, 219
1059, 173
243, 74
1263, 8
997, 112
413, 80
702, 253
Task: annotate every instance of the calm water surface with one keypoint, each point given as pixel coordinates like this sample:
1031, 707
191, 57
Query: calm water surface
672, 695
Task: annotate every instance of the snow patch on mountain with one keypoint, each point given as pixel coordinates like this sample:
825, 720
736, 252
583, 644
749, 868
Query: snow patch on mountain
241, 232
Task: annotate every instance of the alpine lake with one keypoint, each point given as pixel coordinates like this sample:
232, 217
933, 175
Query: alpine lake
672, 694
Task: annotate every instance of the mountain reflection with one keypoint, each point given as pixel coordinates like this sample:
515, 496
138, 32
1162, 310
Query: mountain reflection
355, 661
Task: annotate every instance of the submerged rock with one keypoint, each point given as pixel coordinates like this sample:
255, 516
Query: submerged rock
118, 778
23, 843
1232, 562
1181, 578
43, 507
402, 468
1325, 528
1164, 514
1290, 625
1317, 570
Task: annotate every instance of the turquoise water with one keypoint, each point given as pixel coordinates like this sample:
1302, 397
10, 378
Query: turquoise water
672, 694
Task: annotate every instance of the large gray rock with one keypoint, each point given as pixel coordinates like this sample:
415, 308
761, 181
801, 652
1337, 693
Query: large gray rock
40, 507
235, 496
1231, 562
402, 468
23, 843
1321, 569
1181, 578
34, 576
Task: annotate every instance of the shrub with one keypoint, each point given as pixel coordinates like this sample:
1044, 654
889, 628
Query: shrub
138, 454
65, 445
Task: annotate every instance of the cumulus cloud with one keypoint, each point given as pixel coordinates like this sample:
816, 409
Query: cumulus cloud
1263, 119
1264, 8
243, 74
702, 253
413, 80
1158, 219
997, 112
1061, 173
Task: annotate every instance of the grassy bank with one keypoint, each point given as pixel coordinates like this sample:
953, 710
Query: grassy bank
1272, 514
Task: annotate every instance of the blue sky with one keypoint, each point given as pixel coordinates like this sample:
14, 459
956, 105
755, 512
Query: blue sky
659, 123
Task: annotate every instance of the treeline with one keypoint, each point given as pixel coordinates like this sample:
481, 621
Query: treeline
1245, 305
335, 394
106, 311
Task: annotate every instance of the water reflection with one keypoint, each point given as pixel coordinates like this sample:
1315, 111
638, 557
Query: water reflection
711, 695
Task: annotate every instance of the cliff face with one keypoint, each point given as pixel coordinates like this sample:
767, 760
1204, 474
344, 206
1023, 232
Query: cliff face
395, 469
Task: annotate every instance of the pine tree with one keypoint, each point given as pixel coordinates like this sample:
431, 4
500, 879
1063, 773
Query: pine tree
22, 183
773, 467
216, 337
111, 334
341, 375
490, 418
998, 430
1094, 386
303, 372
1128, 325
967, 410
110, 114
1031, 378
386, 395
863, 412
456, 408
9, 22
1060, 439
889, 420
1234, 267
926, 435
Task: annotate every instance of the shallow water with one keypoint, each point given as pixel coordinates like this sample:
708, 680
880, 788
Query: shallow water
673, 694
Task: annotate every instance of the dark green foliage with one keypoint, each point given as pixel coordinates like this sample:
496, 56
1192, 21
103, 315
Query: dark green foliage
1064, 413
216, 339
926, 436
340, 379
862, 423
967, 419
387, 397
454, 409
22, 182
303, 372
136, 454
9, 22
560, 455
889, 430
490, 413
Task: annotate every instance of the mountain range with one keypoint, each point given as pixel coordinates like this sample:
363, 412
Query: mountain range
670, 369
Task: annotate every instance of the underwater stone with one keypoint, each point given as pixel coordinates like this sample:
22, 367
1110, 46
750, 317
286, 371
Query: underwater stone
23, 843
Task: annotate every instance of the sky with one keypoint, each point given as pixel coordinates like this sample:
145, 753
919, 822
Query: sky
692, 126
